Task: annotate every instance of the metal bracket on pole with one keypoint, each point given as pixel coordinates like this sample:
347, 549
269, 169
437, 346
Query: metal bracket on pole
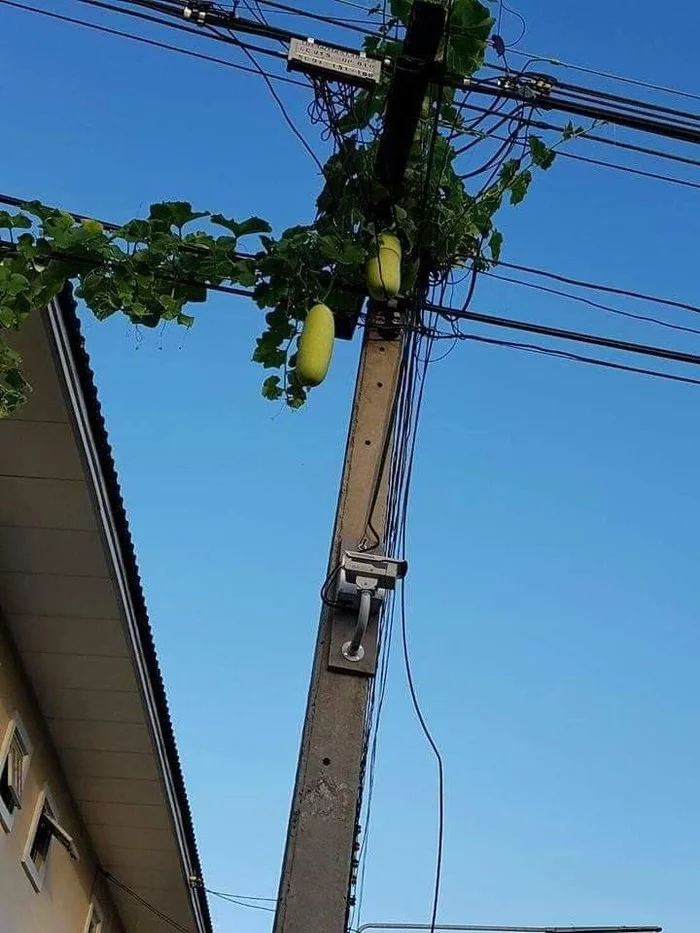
363, 581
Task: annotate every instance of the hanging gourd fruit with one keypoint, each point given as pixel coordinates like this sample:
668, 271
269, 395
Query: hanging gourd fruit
384, 268
316, 345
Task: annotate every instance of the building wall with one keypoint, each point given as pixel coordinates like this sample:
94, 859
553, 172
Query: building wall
63, 903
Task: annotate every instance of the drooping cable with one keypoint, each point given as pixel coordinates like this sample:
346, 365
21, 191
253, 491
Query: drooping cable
153, 43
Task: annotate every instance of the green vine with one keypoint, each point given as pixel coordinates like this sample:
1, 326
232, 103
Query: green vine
152, 269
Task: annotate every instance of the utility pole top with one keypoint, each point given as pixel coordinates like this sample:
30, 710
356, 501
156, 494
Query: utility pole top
414, 68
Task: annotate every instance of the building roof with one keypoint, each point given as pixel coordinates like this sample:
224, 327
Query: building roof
71, 594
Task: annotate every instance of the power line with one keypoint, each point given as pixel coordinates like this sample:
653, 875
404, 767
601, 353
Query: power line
628, 170
511, 78
237, 899
283, 110
578, 358
435, 750
357, 6
527, 95
627, 101
610, 289
602, 163
221, 19
317, 17
579, 108
661, 353
593, 137
593, 304
188, 30
144, 903
535, 57
152, 42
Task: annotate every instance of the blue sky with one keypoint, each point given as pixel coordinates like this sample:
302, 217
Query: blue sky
553, 538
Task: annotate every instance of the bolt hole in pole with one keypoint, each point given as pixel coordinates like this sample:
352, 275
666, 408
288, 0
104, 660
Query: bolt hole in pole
353, 650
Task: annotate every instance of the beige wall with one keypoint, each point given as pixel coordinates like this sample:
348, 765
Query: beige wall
62, 905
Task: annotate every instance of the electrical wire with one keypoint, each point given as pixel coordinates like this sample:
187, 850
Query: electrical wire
108, 30
144, 903
681, 132
218, 17
188, 30
576, 90
593, 304
662, 353
282, 108
603, 140
602, 163
317, 17
436, 752
609, 289
578, 358
235, 899
535, 57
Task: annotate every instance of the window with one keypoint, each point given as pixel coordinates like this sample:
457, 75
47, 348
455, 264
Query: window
14, 762
95, 919
44, 830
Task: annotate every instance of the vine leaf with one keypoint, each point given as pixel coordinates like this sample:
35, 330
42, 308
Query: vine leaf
518, 189
14, 221
271, 389
175, 213
495, 244
542, 156
245, 227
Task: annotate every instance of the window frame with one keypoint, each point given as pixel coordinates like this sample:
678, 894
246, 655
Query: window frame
37, 876
96, 913
14, 727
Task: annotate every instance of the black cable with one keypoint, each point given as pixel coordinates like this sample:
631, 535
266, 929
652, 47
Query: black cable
593, 304
226, 19
189, 30
144, 903
318, 17
436, 751
577, 90
534, 57
593, 137
662, 353
627, 169
407, 662
283, 110
233, 899
552, 102
578, 358
625, 102
610, 289
108, 30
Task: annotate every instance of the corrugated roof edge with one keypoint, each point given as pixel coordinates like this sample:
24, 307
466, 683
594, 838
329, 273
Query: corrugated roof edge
82, 362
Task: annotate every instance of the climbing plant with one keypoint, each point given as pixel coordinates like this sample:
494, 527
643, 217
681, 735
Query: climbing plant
153, 269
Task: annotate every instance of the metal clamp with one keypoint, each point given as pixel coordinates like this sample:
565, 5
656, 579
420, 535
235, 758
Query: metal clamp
362, 584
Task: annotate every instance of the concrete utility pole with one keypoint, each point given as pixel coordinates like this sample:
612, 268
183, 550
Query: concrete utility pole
318, 859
